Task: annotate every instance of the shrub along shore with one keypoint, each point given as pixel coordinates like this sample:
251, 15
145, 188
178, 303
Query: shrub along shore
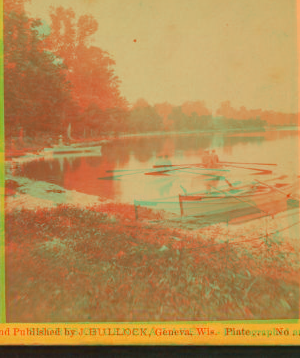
98, 263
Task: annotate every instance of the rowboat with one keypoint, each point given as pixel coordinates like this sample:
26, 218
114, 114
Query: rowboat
65, 149
237, 207
230, 203
248, 202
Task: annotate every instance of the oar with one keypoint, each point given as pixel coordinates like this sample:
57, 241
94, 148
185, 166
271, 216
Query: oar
276, 189
228, 182
247, 163
251, 183
176, 165
188, 166
168, 170
125, 170
262, 171
119, 176
184, 165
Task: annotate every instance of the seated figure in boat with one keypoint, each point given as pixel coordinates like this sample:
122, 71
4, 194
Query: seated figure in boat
163, 161
206, 159
214, 159
211, 161
167, 161
159, 161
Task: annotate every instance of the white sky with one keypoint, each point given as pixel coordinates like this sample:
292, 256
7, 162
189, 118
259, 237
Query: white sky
244, 51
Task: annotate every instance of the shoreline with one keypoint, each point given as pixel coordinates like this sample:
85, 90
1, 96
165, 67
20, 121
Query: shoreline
77, 240
32, 195
39, 195
34, 151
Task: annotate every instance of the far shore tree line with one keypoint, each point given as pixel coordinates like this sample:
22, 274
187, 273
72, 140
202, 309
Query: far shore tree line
56, 82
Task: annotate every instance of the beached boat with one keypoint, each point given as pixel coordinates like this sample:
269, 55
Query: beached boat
249, 202
221, 202
256, 201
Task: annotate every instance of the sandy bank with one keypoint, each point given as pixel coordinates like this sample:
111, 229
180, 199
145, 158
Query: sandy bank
33, 194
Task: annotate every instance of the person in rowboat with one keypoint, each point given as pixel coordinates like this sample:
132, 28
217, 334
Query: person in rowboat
213, 162
206, 159
167, 161
160, 161
214, 159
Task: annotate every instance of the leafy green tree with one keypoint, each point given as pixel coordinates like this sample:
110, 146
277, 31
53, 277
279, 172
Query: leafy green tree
198, 107
96, 121
144, 118
35, 87
180, 120
89, 68
164, 110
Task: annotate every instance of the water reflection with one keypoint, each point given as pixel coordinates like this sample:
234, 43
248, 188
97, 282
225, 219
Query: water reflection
124, 162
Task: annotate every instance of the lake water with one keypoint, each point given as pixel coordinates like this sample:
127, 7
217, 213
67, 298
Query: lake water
129, 160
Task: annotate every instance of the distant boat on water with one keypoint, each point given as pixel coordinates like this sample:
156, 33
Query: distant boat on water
69, 149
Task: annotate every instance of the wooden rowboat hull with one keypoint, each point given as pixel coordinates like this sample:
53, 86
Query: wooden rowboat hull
265, 202
69, 150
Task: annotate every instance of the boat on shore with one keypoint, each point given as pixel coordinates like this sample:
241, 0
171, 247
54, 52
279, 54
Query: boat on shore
234, 204
230, 204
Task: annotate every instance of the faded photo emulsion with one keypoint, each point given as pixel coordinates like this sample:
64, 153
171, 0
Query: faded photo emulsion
151, 161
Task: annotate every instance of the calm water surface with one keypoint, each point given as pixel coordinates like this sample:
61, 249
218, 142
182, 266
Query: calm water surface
129, 159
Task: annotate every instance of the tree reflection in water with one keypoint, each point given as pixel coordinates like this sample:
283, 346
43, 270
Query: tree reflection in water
131, 158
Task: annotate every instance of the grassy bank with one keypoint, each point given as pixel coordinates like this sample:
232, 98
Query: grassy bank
100, 264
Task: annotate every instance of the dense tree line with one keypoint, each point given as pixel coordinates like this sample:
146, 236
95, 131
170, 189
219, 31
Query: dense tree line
190, 116
36, 87
56, 82
226, 110
223, 123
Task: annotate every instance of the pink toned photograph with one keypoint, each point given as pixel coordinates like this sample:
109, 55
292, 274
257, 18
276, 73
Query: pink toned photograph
151, 160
